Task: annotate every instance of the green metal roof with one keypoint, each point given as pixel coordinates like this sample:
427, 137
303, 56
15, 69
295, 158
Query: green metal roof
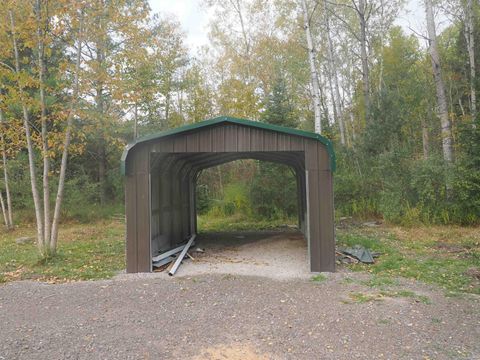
232, 120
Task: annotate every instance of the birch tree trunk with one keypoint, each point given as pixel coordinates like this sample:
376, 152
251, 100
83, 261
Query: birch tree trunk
317, 106
446, 128
361, 8
333, 74
30, 150
4, 211
43, 118
100, 47
67, 139
9, 213
469, 34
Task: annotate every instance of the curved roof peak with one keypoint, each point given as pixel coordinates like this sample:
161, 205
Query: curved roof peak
237, 121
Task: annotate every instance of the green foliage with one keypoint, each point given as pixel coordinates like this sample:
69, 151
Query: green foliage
273, 192
237, 222
234, 201
279, 109
386, 176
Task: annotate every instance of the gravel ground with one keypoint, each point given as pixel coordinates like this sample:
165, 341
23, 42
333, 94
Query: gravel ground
276, 255
232, 316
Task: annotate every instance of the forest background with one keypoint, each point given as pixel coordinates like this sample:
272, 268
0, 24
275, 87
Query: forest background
80, 79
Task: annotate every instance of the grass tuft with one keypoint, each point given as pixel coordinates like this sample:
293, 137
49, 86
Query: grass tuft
318, 278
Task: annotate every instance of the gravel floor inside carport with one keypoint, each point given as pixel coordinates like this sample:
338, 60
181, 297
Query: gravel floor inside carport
233, 316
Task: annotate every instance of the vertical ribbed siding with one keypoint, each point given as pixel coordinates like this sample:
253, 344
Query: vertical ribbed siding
176, 163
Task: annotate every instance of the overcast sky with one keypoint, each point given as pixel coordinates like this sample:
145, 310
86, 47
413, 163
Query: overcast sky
195, 20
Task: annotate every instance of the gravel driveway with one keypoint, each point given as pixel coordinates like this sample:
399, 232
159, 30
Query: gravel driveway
232, 317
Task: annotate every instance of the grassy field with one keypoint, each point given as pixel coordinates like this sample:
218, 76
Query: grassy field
443, 255
446, 256
86, 251
242, 223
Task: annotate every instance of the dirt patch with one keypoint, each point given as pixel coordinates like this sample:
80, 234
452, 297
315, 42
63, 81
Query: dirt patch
474, 273
231, 352
277, 255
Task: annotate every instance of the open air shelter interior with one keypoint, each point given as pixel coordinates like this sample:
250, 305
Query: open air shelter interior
162, 170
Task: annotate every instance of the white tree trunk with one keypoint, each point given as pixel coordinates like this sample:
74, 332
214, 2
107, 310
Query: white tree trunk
66, 142
43, 119
4, 211
317, 106
470, 37
361, 8
446, 128
9, 213
30, 150
333, 74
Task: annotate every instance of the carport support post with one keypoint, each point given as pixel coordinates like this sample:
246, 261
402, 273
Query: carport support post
137, 199
320, 224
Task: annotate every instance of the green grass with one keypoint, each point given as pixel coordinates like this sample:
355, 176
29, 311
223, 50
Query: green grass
415, 254
241, 223
379, 281
318, 278
85, 252
360, 297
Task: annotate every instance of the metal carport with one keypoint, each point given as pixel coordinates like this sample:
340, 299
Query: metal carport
161, 173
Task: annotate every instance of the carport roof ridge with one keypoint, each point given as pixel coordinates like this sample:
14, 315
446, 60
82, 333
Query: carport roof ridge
232, 120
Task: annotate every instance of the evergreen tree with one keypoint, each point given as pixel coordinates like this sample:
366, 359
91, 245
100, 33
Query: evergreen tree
279, 109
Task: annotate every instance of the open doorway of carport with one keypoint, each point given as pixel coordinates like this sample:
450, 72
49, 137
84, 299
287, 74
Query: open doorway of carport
248, 221
162, 171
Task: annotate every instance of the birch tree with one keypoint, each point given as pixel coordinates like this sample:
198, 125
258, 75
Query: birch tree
47, 228
337, 103
442, 109
7, 210
316, 95
470, 40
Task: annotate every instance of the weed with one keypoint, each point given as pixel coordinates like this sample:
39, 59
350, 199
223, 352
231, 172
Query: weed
378, 281
348, 280
318, 278
361, 298
407, 294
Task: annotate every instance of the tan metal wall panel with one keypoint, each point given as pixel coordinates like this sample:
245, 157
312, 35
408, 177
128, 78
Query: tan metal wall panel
193, 140
217, 138
311, 156
231, 138
327, 226
320, 225
131, 220
323, 158
243, 138
313, 227
144, 262
180, 144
